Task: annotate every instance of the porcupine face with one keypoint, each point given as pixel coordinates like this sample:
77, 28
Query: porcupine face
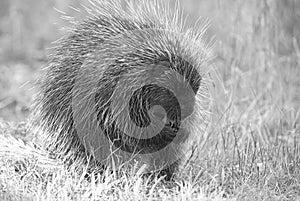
132, 97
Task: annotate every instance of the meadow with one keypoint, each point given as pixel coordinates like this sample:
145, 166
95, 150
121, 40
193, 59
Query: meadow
251, 150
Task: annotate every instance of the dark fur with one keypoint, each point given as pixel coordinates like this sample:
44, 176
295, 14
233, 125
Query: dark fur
80, 51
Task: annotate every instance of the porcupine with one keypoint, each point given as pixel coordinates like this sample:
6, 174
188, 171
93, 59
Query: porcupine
135, 80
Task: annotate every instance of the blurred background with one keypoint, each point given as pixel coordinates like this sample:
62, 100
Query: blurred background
257, 53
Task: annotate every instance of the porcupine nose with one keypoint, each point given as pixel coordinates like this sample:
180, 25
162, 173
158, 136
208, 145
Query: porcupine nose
187, 102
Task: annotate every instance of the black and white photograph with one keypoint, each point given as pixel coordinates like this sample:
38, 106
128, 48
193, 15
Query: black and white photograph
149, 100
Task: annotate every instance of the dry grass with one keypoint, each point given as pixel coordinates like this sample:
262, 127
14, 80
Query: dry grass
253, 151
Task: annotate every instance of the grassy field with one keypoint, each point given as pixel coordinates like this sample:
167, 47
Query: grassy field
253, 149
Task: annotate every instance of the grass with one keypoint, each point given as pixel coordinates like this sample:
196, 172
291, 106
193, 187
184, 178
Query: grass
252, 152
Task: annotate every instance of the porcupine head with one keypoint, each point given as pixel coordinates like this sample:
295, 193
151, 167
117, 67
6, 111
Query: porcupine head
126, 86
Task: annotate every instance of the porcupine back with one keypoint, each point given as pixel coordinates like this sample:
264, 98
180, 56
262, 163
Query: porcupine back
108, 68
